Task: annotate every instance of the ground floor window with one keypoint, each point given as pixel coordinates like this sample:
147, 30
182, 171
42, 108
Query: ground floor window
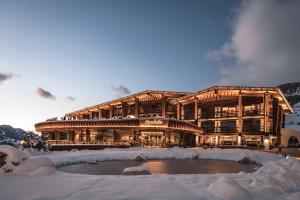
251, 126
63, 136
52, 136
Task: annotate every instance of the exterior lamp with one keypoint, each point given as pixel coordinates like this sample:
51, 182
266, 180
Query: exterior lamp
267, 143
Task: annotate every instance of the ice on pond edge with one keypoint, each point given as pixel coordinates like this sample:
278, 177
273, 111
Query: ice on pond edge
139, 170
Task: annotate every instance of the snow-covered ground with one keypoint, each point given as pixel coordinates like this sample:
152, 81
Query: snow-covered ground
293, 120
278, 178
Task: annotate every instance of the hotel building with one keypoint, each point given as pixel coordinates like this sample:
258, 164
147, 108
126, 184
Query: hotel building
217, 116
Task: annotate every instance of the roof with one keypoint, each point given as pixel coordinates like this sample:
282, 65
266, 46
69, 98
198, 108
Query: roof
240, 88
182, 96
131, 97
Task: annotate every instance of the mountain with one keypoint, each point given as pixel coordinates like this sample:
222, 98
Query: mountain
7, 131
291, 92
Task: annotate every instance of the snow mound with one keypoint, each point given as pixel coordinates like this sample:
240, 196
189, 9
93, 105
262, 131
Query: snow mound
139, 170
33, 152
228, 188
17, 162
281, 176
43, 171
32, 164
14, 156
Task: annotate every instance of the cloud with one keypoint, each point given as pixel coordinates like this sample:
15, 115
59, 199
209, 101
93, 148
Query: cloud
45, 94
121, 90
47, 71
70, 98
223, 53
264, 48
4, 77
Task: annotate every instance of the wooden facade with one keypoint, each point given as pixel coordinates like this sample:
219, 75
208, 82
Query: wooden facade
220, 115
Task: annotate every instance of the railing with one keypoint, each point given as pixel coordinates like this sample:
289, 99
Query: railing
223, 114
221, 129
66, 142
118, 123
253, 129
253, 112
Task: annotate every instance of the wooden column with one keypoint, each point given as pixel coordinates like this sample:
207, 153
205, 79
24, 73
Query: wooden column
124, 111
163, 107
110, 112
77, 136
266, 114
70, 135
83, 135
196, 109
100, 113
240, 113
134, 138
136, 108
178, 111
217, 123
280, 126
169, 138
57, 135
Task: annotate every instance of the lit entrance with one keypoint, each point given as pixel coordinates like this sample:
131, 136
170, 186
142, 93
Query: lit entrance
153, 139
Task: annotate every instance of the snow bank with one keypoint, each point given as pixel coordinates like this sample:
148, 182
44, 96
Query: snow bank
33, 152
139, 170
228, 188
67, 157
277, 179
281, 176
43, 171
19, 163
14, 156
32, 164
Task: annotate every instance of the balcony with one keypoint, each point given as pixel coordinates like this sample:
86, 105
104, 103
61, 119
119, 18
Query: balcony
221, 129
221, 114
253, 129
257, 112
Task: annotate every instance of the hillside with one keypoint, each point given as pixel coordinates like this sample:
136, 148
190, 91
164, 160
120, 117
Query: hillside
292, 93
7, 131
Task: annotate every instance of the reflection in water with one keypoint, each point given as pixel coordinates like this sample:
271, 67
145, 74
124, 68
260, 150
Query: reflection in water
157, 167
172, 166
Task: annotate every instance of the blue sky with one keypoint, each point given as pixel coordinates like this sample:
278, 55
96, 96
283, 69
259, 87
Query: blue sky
88, 49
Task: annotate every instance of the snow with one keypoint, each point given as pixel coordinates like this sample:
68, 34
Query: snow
293, 120
228, 188
66, 157
33, 164
19, 163
278, 178
43, 171
139, 170
13, 155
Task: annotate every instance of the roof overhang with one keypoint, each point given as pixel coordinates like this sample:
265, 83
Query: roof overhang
130, 99
236, 90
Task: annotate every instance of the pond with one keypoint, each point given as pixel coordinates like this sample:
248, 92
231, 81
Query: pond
171, 166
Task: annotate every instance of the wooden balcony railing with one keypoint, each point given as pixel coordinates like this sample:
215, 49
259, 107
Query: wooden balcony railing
224, 114
253, 112
141, 123
221, 129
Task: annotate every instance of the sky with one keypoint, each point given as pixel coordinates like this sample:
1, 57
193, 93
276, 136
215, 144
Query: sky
62, 55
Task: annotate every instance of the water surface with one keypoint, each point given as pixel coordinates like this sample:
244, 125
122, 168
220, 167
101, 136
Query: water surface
172, 166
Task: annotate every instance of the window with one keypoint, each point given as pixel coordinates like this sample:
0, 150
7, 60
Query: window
251, 126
